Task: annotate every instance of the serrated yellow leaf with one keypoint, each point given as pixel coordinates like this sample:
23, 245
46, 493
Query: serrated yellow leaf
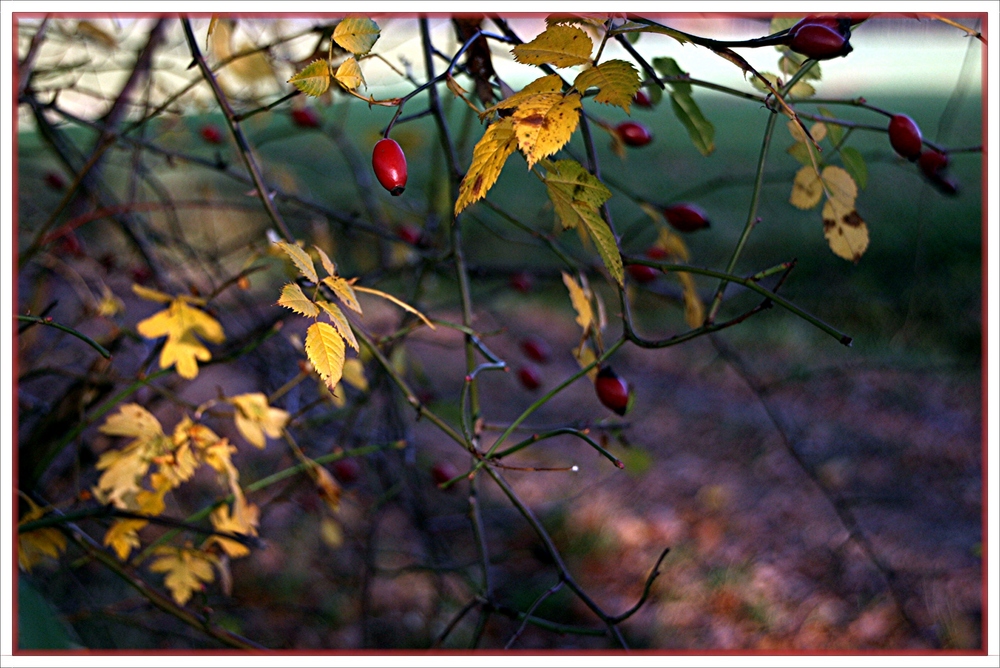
357, 34
544, 123
340, 322
313, 79
581, 304
293, 298
349, 74
151, 295
845, 231
187, 569
577, 197
354, 374
488, 159
841, 187
301, 260
254, 418
325, 349
328, 265
123, 537
344, 292
244, 520
552, 83
398, 302
807, 189
125, 468
559, 46
617, 81
182, 324
35, 546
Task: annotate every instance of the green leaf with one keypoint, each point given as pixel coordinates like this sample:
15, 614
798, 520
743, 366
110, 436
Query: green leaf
699, 128
854, 164
39, 626
800, 152
835, 132
668, 67
577, 197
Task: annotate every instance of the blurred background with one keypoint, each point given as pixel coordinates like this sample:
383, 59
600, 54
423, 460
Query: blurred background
813, 496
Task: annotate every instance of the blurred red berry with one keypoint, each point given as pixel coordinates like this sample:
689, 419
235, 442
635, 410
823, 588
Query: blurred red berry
536, 349
442, 472
642, 99
905, 137
522, 282
656, 253
686, 217
642, 274
141, 275
347, 470
932, 163
613, 391
211, 134
55, 181
306, 117
529, 377
408, 233
634, 134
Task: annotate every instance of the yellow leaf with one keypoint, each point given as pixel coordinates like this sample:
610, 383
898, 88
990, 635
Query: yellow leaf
313, 79
617, 81
252, 67
151, 295
187, 570
552, 83
254, 418
34, 546
301, 260
807, 189
327, 487
354, 374
488, 159
340, 322
125, 468
179, 466
818, 131
592, 20
349, 74
841, 187
580, 301
293, 298
544, 123
845, 231
150, 502
398, 302
357, 34
244, 520
122, 537
330, 532
585, 356
132, 420
325, 260
577, 197
182, 324
325, 349
344, 292
694, 310
110, 305
559, 46
211, 26
219, 456
672, 244
198, 435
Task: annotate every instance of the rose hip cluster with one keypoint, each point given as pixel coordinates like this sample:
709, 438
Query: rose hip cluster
907, 140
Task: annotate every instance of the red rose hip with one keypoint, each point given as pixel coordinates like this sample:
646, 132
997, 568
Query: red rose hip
634, 134
642, 99
905, 137
529, 377
686, 217
613, 391
819, 41
211, 134
442, 472
640, 273
536, 349
347, 470
389, 164
932, 163
306, 117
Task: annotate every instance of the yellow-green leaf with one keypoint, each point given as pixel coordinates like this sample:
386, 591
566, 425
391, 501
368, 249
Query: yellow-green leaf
349, 74
325, 260
818, 131
694, 310
313, 79
807, 189
293, 298
559, 46
301, 260
340, 322
344, 292
855, 165
616, 80
845, 231
577, 197
580, 301
488, 159
187, 570
357, 34
544, 123
841, 187
325, 349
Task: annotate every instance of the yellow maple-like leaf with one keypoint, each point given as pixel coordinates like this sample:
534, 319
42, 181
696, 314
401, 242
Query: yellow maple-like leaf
807, 189
325, 349
182, 324
349, 74
219, 456
35, 546
255, 418
123, 537
340, 322
488, 159
196, 434
577, 196
313, 79
301, 260
845, 231
125, 468
616, 80
559, 45
187, 569
357, 34
293, 298
841, 188
544, 123
580, 301
344, 292
244, 520
354, 374
132, 420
